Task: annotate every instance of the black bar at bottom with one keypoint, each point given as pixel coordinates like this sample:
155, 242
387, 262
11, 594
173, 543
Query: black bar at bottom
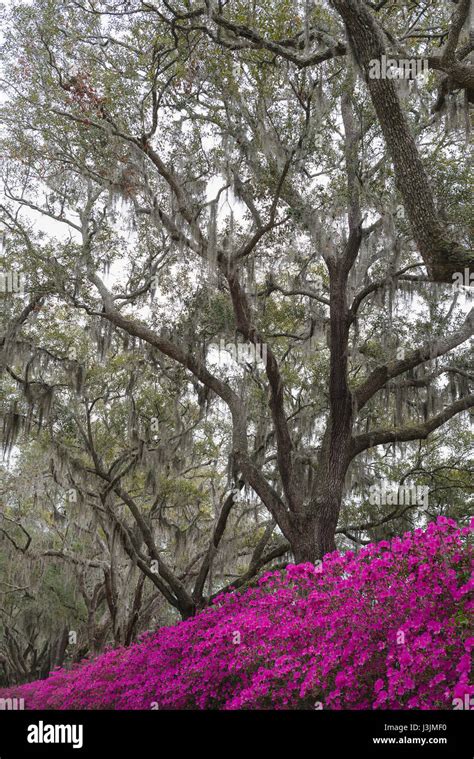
98, 733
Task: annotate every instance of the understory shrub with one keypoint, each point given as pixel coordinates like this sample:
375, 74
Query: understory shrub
384, 628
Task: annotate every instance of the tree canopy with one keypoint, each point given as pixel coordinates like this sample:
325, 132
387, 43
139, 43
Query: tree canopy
235, 305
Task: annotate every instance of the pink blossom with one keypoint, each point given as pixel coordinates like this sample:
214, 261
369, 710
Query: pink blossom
384, 628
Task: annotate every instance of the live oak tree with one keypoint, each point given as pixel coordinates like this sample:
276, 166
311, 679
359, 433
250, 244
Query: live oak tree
137, 480
189, 175
37, 607
396, 490
131, 470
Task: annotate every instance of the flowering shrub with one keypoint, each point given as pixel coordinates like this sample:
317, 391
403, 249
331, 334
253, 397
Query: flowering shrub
386, 628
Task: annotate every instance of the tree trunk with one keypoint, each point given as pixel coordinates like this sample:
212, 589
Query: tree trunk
314, 527
443, 256
313, 533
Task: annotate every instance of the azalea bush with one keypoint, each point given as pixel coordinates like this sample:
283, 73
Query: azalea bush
386, 628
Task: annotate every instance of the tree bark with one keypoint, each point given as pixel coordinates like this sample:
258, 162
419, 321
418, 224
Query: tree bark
443, 256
